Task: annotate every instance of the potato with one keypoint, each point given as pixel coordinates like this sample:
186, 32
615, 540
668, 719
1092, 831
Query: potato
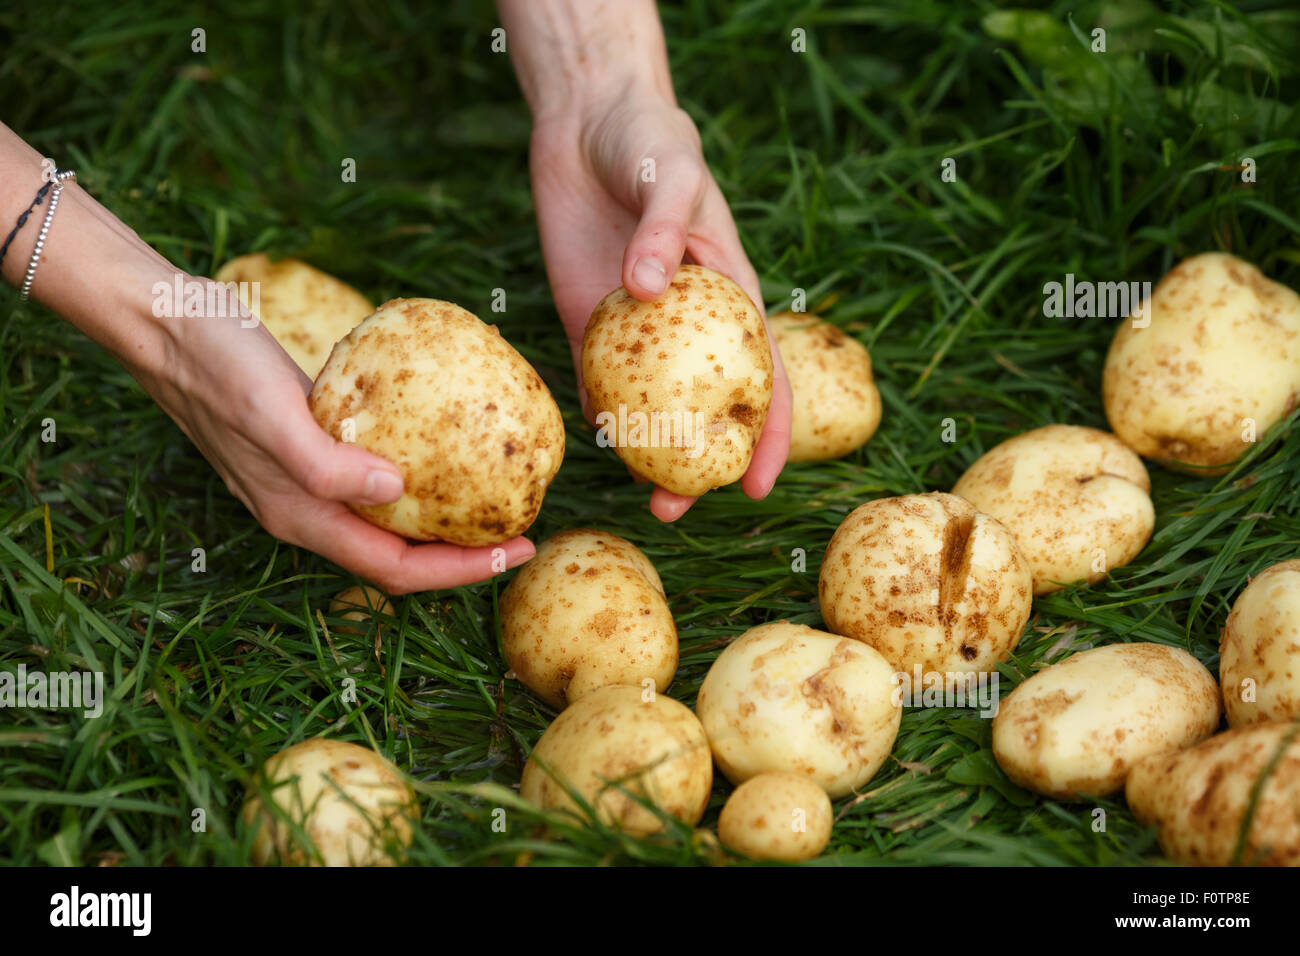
359, 604
785, 697
1199, 799
649, 744
465, 418
776, 816
681, 386
928, 581
836, 404
1075, 729
586, 611
1077, 500
354, 805
1259, 662
1217, 365
305, 309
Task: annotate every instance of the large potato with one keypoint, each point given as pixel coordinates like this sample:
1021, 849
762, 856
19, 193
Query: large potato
777, 816
305, 309
1259, 662
928, 581
444, 397
785, 697
1077, 500
353, 805
1199, 798
1075, 729
681, 386
1219, 361
836, 404
586, 611
649, 744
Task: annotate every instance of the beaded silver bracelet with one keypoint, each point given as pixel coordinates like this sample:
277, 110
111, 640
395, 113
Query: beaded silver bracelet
60, 180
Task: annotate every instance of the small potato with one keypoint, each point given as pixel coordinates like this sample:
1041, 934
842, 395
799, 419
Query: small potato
444, 397
1259, 662
681, 386
1075, 729
359, 604
305, 309
1218, 363
785, 697
1077, 500
586, 611
1199, 799
836, 404
777, 816
355, 806
928, 581
649, 744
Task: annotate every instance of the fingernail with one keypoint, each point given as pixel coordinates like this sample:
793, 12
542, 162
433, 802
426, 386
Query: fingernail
650, 275
521, 558
382, 487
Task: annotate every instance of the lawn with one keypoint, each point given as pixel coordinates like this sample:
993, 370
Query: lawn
1111, 166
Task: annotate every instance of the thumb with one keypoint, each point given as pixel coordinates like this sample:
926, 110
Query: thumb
334, 470
668, 206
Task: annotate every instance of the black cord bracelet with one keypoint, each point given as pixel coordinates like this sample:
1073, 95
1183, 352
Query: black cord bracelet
22, 220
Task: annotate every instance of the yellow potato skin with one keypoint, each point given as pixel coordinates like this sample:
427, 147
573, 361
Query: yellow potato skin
784, 697
466, 419
586, 611
1065, 492
343, 834
699, 349
776, 816
1223, 346
836, 404
1261, 642
926, 580
1197, 798
305, 309
655, 747
1075, 729
359, 604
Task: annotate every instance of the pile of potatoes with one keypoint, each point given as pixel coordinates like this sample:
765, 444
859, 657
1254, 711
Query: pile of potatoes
796, 717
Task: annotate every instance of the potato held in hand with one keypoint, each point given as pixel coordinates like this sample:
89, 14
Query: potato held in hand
305, 309
1198, 799
649, 744
465, 418
927, 581
1259, 663
1218, 364
681, 386
836, 404
353, 805
586, 611
1077, 500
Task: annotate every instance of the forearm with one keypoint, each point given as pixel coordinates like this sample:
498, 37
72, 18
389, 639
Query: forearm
95, 272
567, 51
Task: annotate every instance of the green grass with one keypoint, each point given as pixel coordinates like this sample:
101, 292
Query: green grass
1107, 166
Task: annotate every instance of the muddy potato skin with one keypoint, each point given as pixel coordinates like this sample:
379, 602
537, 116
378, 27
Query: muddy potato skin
1261, 643
586, 611
700, 348
466, 419
307, 310
1066, 493
1197, 798
343, 834
1223, 345
612, 733
776, 816
926, 580
786, 697
836, 403
1075, 729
